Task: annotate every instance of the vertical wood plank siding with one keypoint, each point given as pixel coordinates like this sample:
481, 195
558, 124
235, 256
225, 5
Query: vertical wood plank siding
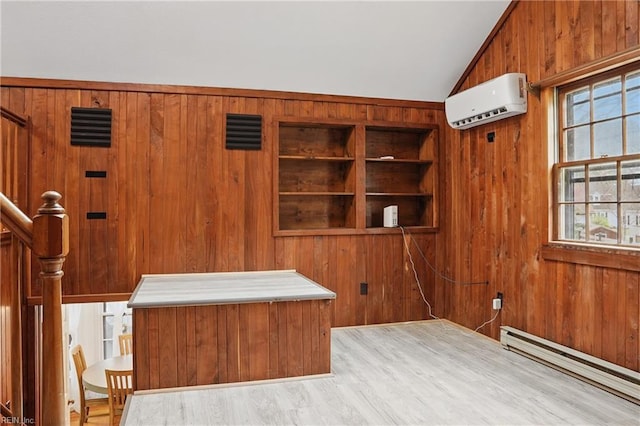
14, 150
177, 201
199, 345
497, 195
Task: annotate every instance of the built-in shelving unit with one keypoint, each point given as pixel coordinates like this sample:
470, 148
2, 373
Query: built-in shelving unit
316, 177
338, 177
400, 171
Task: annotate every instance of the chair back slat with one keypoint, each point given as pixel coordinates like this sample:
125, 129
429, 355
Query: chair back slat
126, 344
119, 386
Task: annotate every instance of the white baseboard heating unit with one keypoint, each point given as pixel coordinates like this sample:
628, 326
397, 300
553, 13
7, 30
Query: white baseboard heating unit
621, 381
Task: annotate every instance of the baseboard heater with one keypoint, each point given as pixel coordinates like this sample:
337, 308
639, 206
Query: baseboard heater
621, 381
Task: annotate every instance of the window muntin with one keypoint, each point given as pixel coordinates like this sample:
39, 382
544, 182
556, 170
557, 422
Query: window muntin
598, 172
116, 319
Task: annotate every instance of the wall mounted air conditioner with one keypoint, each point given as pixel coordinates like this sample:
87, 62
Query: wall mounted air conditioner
502, 97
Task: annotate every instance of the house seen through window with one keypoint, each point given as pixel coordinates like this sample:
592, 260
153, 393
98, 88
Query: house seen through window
598, 170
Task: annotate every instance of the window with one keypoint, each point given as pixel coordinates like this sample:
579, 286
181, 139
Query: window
598, 168
116, 320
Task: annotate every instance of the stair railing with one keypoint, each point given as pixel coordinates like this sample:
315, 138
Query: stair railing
47, 234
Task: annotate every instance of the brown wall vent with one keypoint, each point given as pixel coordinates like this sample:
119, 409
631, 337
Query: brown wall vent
91, 127
244, 131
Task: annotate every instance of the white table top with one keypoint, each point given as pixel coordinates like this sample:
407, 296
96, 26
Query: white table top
94, 378
220, 288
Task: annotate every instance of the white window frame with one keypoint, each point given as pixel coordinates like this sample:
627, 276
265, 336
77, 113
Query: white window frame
562, 206
119, 323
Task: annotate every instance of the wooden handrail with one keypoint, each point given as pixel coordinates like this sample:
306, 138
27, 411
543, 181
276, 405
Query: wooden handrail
12, 116
48, 237
16, 221
4, 411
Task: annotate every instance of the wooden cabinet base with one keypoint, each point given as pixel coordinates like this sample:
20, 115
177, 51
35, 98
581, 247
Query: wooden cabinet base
210, 344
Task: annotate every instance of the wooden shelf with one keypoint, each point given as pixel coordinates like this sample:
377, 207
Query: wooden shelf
398, 160
312, 158
412, 229
313, 193
413, 209
316, 211
357, 231
315, 140
333, 179
402, 143
407, 180
398, 194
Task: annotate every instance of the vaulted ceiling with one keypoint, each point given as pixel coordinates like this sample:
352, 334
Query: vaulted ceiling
414, 50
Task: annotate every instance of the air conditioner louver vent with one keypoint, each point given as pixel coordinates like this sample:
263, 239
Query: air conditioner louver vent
244, 131
91, 126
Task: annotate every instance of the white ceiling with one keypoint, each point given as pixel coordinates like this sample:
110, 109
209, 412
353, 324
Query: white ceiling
413, 50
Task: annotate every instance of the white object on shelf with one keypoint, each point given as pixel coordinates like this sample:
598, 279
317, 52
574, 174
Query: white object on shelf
391, 216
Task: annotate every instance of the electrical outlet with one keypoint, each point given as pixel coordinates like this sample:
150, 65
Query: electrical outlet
364, 288
497, 302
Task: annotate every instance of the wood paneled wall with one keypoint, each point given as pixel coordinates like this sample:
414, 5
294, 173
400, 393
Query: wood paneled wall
497, 194
14, 152
178, 201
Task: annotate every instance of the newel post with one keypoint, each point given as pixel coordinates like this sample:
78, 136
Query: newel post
51, 245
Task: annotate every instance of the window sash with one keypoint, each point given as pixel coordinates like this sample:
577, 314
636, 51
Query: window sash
585, 208
567, 175
627, 113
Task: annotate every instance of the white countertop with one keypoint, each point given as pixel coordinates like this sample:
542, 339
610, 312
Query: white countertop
219, 288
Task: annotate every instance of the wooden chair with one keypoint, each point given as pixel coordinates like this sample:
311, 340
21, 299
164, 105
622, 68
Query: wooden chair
119, 385
85, 403
126, 344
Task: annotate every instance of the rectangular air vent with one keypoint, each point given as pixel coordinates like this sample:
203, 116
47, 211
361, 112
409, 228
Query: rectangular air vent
95, 174
244, 131
91, 127
96, 215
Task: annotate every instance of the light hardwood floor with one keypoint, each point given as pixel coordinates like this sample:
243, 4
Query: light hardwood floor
422, 373
100, 417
